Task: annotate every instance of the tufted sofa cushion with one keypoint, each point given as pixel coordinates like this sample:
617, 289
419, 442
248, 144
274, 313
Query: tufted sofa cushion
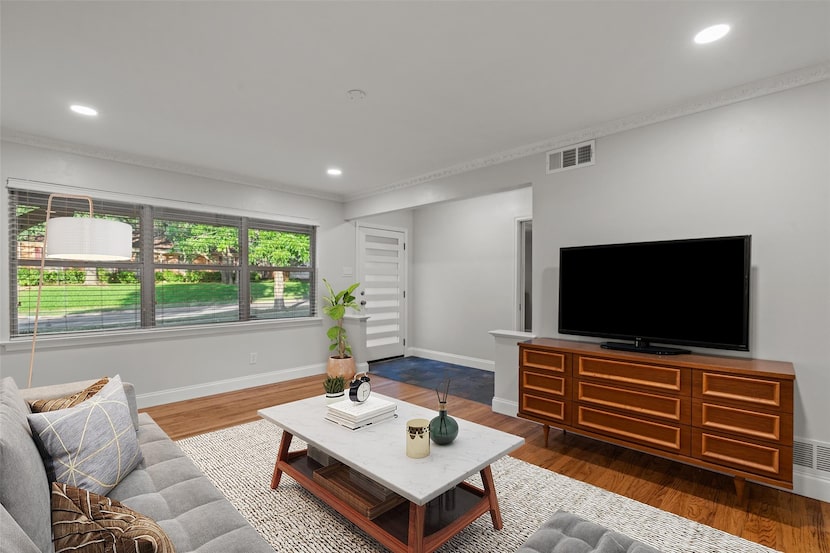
567, 533
167, 486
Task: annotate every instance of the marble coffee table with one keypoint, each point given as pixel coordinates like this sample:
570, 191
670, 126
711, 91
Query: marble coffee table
437, 502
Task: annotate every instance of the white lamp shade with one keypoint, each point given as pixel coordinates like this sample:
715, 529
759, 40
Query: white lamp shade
87, 239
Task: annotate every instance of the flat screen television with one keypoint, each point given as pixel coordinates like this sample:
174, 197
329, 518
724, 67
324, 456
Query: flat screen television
690, 292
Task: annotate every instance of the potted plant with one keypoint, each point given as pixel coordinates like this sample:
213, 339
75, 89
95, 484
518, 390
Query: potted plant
341, 362
335, 388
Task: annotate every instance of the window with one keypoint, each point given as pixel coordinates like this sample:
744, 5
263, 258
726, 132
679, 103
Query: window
188, 268
280, 269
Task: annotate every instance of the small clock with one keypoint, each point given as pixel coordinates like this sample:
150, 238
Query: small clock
360, 389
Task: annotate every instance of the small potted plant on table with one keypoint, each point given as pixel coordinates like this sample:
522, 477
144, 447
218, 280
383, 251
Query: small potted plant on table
335, 388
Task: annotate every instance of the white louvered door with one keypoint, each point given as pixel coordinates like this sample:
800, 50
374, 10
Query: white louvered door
381, 271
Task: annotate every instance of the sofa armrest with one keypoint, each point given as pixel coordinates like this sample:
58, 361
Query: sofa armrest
13, 535
62, 390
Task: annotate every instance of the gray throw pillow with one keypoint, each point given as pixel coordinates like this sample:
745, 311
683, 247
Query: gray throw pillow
92, 445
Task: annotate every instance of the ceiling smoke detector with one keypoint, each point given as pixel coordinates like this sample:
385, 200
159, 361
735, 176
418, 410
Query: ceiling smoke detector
356, 94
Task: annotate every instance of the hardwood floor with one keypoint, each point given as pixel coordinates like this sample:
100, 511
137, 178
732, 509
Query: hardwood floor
780, 520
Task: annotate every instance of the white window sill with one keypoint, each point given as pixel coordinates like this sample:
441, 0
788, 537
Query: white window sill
51, 341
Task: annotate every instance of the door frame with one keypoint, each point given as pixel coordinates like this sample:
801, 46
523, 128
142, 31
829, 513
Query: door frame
519, 272
404, 323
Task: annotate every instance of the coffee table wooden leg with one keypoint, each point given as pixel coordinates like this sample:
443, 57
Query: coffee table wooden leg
282, 455
490, 490
417, 518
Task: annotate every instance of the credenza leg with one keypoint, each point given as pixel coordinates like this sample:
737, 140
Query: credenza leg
546, 431
740, 487
282, 455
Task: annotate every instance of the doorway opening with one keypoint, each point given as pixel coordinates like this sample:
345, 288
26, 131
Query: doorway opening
524, 292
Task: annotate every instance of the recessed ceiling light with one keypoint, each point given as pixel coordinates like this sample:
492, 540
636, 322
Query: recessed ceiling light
711, 34
334, 172
84, 110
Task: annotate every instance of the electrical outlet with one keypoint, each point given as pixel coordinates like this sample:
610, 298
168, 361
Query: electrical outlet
252, 358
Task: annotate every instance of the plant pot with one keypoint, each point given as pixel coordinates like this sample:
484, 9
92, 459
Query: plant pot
334, 397
345, 367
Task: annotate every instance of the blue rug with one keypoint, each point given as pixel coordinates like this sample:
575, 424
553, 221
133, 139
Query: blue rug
466, 382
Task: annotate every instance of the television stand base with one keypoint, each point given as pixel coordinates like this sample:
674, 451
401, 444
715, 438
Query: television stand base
642, 346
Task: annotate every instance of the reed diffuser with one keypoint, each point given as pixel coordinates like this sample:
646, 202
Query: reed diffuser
443, 429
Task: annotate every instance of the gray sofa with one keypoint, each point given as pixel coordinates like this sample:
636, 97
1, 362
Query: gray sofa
166, 486
565, 532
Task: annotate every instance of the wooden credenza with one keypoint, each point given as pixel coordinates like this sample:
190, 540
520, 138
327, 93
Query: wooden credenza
732, 415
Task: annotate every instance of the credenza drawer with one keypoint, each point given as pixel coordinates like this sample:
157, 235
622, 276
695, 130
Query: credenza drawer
541, 380
756, 457
655, 377
545, 360
747, 390
667, 407
556, 410
674, 438
775, 427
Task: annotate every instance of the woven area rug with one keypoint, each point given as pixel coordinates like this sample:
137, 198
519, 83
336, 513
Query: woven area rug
240, 460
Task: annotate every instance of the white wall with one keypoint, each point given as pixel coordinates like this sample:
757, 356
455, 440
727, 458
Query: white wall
464, 275
759, 167
173, 364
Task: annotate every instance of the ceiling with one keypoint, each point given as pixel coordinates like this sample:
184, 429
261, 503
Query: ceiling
257, 91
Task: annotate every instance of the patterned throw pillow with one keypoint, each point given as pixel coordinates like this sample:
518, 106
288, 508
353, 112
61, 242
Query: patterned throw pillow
92, 445
42, 405
84, 522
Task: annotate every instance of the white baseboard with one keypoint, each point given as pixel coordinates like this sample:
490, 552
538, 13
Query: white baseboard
505, 407
810, 483
230, 385
463, 360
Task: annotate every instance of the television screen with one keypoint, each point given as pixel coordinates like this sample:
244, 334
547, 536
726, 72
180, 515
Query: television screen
691, 292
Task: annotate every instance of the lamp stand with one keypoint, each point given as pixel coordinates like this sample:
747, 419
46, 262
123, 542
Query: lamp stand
43, 266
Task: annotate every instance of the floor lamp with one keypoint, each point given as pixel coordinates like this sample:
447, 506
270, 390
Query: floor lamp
79, 239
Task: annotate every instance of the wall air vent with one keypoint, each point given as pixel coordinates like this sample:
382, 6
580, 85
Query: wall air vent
811, 454
803, 454
823, 457
571, 157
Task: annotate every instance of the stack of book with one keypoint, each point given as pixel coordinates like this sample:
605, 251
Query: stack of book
354, 415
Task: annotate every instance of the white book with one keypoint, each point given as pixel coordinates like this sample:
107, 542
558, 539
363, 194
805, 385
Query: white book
357, 412
363, 424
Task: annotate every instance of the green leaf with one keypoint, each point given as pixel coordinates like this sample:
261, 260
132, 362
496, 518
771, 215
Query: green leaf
328, 287
336, 312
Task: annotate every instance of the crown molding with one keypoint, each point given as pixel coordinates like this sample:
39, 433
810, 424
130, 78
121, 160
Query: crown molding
25, 139
747, 91
733, 95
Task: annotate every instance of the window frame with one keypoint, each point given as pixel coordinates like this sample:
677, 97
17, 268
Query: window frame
145, 265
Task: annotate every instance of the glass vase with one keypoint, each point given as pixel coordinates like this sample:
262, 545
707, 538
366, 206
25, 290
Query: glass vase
443, 429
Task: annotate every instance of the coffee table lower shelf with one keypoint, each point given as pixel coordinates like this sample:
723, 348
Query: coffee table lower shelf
406, 527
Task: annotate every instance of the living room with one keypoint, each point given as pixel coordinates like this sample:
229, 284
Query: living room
750, 158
